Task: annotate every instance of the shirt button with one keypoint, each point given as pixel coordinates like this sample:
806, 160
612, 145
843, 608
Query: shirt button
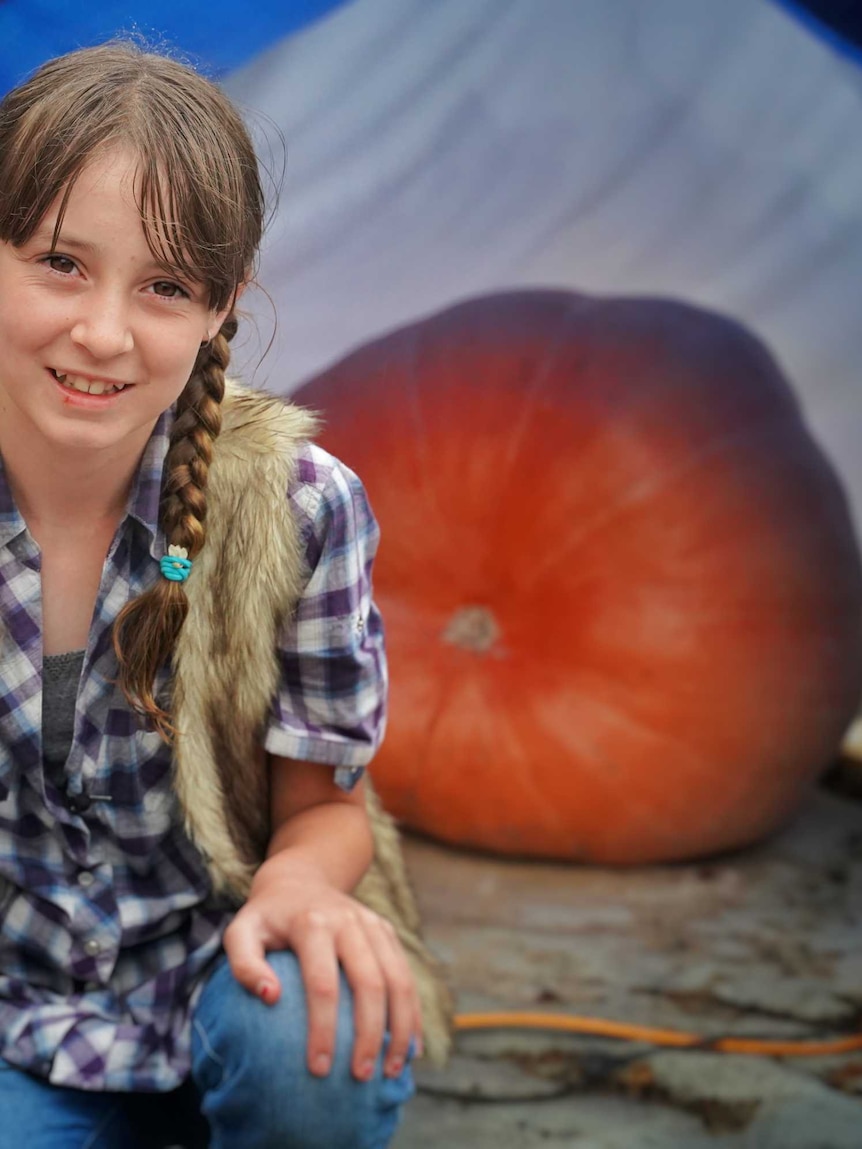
92, 947
86, 879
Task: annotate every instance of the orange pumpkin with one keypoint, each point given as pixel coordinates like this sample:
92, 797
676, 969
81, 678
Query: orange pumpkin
620, 584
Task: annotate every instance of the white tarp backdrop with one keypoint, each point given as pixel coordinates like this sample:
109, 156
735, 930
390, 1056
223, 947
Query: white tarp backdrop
709, 151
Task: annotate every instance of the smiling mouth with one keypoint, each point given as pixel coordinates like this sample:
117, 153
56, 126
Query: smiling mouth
88, 386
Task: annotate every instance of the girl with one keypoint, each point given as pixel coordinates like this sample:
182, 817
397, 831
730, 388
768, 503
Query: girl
173, 550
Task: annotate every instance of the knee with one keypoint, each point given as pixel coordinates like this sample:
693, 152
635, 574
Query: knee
241, 1034
249, 1056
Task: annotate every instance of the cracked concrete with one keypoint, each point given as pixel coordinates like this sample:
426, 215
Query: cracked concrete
765, 942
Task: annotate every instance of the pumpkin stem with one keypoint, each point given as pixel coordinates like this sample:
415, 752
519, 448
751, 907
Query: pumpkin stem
472, 628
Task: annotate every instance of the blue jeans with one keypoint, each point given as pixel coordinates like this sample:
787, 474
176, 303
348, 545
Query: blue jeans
249, 1077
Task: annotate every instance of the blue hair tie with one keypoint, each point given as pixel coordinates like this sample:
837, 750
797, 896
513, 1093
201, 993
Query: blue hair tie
175, 565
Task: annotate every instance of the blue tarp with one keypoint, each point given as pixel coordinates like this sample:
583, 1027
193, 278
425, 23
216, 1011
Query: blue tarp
218, 36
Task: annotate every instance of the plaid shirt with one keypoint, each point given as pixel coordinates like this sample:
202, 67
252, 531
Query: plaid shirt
107, 919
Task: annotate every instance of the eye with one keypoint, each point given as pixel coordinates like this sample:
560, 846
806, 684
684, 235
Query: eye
166, 289
60, 263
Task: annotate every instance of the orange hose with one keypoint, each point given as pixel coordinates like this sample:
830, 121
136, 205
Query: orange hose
601, 1027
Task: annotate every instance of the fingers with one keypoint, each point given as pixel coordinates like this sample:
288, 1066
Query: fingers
405, 1015
376, 968
383, 990
379, 975
315, 950
365, 974
245, 950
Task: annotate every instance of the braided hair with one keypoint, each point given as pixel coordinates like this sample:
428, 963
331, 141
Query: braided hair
147, 628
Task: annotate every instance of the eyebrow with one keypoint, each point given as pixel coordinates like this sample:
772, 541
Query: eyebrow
45, 235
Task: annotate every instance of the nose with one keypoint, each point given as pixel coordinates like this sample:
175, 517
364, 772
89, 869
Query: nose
102, 327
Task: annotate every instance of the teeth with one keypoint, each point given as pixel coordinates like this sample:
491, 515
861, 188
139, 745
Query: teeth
87, 386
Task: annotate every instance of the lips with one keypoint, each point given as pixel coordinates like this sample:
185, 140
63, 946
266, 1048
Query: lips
88, 386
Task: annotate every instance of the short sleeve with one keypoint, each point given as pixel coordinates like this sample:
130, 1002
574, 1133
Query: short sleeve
331, 701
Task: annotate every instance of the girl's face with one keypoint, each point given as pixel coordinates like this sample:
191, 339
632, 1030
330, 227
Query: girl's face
96, 315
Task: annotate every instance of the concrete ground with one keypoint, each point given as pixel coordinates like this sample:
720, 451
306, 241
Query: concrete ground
767, 942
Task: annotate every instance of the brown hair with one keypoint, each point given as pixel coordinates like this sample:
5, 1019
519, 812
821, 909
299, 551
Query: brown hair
201, 204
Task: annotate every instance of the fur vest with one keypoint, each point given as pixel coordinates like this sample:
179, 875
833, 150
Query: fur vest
243, 585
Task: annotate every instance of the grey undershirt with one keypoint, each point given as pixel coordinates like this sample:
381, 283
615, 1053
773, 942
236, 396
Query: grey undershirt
60, 676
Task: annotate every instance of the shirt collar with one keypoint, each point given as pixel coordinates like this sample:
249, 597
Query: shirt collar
146, 494
144, 498
11, 520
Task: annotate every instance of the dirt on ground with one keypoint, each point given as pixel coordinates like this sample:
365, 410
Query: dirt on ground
764, 943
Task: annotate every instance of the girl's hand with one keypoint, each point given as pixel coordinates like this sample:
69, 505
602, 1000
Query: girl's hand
292, 906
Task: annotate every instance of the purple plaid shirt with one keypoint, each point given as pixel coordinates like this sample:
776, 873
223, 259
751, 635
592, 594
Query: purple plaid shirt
107, 918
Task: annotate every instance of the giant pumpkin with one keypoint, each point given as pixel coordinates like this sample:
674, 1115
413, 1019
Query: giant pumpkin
620, 584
